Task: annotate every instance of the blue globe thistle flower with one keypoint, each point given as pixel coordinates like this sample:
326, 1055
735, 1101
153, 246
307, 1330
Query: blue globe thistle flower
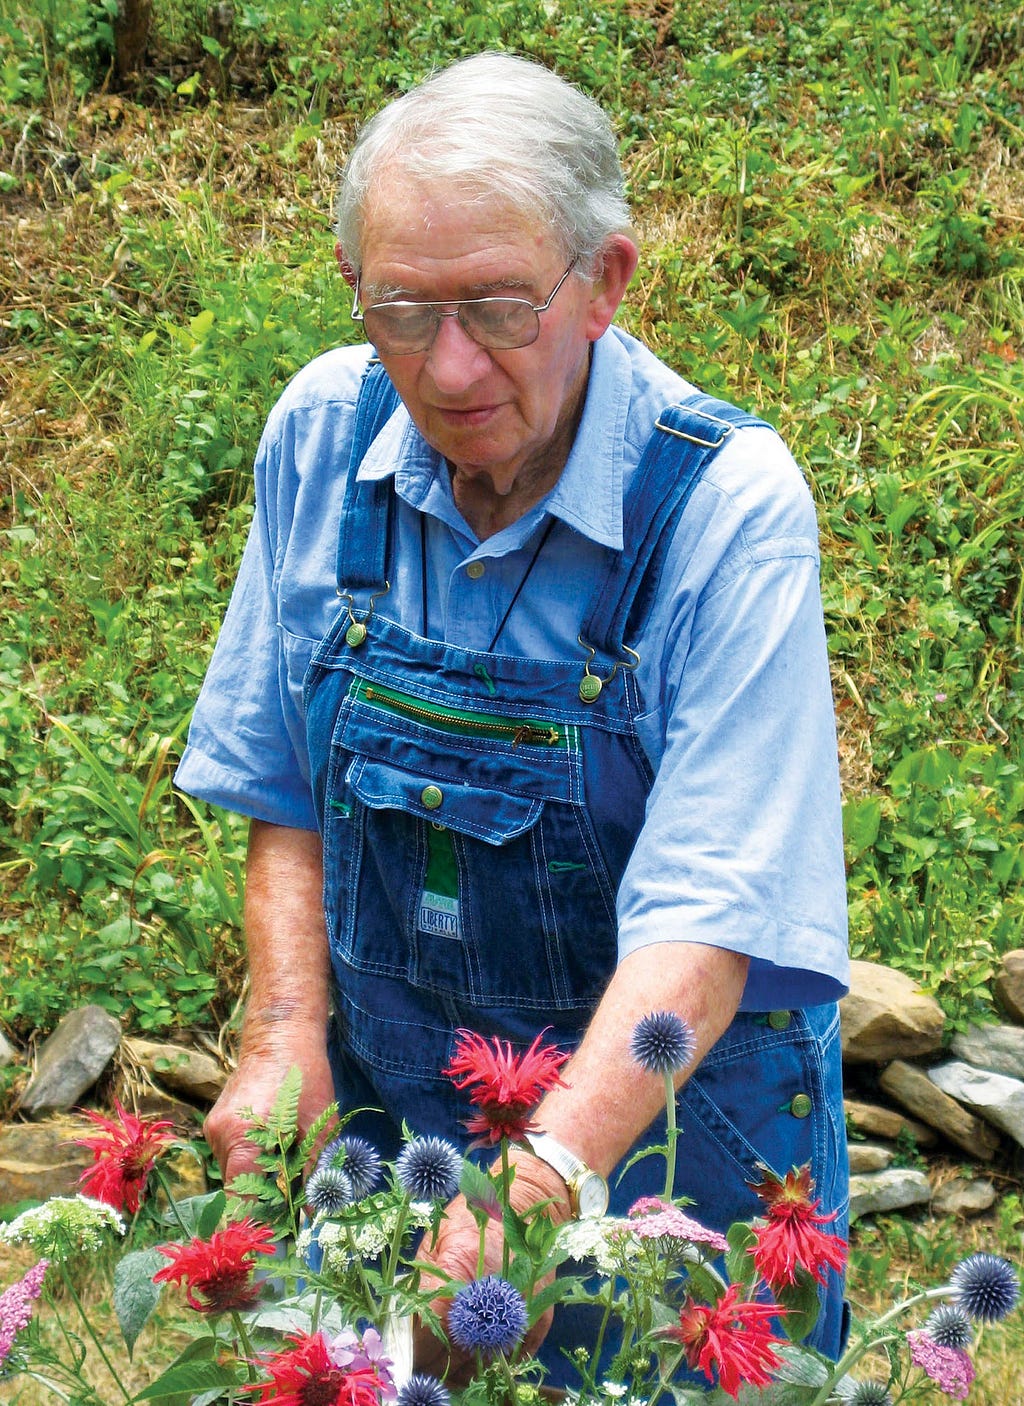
328, 1190
869, 1393
949, 1326
429, 1169
985, 1287
662, 1042
359, 1160
423, 1390
487, 1315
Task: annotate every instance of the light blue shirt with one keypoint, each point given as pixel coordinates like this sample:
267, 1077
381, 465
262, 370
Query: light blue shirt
741, 846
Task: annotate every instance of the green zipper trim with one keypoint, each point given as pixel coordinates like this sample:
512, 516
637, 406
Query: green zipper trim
518, 731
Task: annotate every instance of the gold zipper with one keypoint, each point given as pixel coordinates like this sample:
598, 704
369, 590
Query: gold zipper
529, 733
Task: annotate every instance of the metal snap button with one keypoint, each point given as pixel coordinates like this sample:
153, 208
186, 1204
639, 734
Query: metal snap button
431, 796
801, 1105
475, 570
590, 687
779, 1020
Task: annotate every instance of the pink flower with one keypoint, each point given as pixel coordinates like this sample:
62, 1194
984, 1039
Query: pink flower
950, 1367
16, 1306
508, 1086
307, 1373
651, 1219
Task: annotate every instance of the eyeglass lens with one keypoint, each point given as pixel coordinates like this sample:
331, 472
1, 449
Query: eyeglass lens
498, 323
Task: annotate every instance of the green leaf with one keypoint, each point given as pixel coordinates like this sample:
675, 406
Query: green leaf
135, 1295
283, 1118
192, 1377
739, 1263
800, 1300
802, 1366
200, 1215
479, 1191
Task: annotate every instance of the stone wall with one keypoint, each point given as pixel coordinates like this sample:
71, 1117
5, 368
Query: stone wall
906, 1093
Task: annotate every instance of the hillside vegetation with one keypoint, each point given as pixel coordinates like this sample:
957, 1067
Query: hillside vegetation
830, 199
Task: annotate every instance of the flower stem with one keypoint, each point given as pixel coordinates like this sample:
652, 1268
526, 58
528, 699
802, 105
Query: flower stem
92, 1332
506, 1183
51, 1387
171, 1203
869, 1339
247, 1348
671, 1136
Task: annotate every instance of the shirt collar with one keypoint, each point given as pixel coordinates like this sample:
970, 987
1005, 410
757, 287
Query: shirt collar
588, 494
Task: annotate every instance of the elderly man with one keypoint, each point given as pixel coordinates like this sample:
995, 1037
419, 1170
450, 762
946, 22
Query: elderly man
523, 685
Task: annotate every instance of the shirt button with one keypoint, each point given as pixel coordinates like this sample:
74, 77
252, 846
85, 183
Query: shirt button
779, 1020
475, 570
431, 796
800, 1106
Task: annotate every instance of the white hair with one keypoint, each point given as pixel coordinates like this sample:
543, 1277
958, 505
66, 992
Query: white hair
498, 127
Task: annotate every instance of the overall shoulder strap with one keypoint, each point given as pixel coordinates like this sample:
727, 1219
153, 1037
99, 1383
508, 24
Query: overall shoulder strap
366, 510
686, 437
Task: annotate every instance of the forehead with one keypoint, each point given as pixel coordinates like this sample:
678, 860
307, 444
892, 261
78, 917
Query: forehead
420, 240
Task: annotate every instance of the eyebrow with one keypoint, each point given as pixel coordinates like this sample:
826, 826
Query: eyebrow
393, 292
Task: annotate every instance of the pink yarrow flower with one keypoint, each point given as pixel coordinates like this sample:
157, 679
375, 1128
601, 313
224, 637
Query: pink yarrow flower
949, 1367
16, 1306
651, 1219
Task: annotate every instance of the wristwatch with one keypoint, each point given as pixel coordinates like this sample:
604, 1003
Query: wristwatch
588, 1190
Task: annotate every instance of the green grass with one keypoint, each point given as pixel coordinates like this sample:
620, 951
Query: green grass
829, 200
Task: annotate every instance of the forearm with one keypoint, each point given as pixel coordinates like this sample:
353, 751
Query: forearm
285, 932
285, 1023
610, 1100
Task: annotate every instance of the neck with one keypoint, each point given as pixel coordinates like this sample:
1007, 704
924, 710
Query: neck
486, 510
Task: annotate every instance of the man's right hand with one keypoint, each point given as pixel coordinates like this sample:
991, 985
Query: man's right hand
254, 1086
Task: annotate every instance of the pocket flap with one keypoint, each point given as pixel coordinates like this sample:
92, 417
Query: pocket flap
493, 816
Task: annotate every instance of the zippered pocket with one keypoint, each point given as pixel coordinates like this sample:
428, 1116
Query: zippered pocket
512, 752
525, 732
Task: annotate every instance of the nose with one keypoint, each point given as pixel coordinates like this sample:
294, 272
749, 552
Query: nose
454, 361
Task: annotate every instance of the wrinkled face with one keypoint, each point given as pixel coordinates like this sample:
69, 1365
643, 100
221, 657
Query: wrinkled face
500, 418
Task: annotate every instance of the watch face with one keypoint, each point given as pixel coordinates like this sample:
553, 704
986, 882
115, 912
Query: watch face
592, 1195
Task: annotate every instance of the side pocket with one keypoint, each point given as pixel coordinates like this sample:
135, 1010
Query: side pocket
766, 1095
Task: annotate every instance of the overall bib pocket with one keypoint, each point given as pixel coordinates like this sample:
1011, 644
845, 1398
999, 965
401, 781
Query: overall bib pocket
410, 849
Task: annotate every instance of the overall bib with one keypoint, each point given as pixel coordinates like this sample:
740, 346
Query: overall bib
477, 813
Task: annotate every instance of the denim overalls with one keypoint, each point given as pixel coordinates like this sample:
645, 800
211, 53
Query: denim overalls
477, 813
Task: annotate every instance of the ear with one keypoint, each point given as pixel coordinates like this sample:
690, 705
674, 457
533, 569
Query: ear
619, 258
348, 273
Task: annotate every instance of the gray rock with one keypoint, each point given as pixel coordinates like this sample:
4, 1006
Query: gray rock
180, 1068
71, 1060
886, 1016
911, 1087
868, 1157
873, 1120
39, 1160
964, 1196
891, 1190
1009, 985
999, 1048
8, 1054
995, 1097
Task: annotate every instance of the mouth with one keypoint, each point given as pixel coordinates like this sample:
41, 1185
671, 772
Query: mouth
469, 418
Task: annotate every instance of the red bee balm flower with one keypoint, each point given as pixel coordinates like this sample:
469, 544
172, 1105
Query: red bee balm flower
305, 1375
219, 1269
791, 1237
508, 1086
731, 1338
124, 1155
